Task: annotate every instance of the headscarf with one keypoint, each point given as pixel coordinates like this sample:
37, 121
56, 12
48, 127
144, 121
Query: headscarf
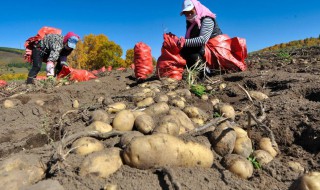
69, 35
202, 11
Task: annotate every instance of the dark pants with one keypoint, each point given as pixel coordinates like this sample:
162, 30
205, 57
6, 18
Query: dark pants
36, 65
192, 54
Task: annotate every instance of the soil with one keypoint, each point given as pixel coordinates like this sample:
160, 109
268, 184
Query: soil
291, 81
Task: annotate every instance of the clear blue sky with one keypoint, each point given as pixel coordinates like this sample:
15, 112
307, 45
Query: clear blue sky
126, 22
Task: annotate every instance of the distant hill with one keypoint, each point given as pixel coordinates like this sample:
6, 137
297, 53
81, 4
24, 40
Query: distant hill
308, 42
11, 55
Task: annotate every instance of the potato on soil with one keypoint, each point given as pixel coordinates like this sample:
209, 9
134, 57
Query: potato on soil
169, 125
258, 95
265, 144
159, 150
101, 164
238, 165
144, 123
223, 140
178, 102
157, 109
14, 180
161, 98
116, 107
309, 181
243, 147
146, 102
185, 121
184, 92
127, 137
100, 126
100, 115
240, 132
123, 121
197, 113
26, 165
87, 145
225, 110
263, 157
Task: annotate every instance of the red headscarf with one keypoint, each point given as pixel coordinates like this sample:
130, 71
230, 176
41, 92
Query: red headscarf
69, 35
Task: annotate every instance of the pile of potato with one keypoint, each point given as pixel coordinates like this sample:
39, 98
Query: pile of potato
153, 129
152, 121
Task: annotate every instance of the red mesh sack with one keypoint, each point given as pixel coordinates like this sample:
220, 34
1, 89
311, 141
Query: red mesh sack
34, 39
170, 63
101, 70
142, 61
81, 75
3, 83
76, 74
228, 53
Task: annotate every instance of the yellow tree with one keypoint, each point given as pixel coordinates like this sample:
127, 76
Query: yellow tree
78, 58
129, 57
95, 52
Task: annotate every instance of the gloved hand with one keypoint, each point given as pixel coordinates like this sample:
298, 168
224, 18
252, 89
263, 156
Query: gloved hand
181, 42
50, 68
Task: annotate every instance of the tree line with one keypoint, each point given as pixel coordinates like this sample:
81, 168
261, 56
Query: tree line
295, 44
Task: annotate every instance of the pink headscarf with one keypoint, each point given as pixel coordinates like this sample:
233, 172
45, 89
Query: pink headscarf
69, 35
202, 11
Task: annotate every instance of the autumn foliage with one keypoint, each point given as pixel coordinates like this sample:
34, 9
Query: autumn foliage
96, 51
294, 44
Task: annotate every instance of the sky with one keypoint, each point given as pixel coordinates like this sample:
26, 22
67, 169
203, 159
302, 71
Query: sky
126, 22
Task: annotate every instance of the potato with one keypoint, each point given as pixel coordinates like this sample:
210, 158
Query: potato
157, 109
8, 104
240, 132
75, 104
185, 121
146, 102
123, 121
101, 164
172, 94
126, 138
184, 93
87, 145
263, 157
14, 180
137, 97
160, 150
161, 98
225, 110
309, 181
178, 102
223, 140
265, 144
238, 165
144, 123
243, 147
22, 164
295, 166
198, 121
100, 126
194, 112
204, 97
110, 187
215, 101
258, 95
100, 115
116, 107
169, 125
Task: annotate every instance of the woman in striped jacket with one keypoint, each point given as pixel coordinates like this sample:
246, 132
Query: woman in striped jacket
201, 26
204, 41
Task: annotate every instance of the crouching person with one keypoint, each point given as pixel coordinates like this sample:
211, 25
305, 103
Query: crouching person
53, 49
